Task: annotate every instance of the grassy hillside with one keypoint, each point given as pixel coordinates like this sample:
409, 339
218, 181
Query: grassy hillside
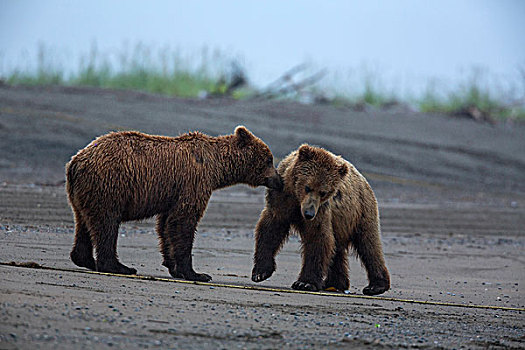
210, 72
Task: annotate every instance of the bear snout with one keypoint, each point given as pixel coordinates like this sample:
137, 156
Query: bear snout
310, 206
309, 213
274, 182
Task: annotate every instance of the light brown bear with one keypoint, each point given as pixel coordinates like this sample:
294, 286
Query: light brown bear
128, 175
332, 207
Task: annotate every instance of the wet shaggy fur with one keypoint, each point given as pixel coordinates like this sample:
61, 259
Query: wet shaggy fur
128, 175
332, 207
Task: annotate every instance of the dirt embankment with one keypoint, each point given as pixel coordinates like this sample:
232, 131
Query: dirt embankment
41, 128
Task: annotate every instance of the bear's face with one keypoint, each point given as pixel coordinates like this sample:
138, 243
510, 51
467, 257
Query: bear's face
317, 176
258, 160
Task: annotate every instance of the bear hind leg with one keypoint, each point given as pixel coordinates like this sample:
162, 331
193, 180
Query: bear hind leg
164, 242
367, 243
104, 235
82, 252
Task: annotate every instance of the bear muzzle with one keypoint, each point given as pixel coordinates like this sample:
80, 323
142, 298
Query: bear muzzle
310, 205
274, 182
309, 213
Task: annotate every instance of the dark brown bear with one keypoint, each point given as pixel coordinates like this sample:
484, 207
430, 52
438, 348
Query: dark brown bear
332, 207
128, 175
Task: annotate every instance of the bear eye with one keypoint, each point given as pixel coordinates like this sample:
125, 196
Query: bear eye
322, 193
270, 161
307, 189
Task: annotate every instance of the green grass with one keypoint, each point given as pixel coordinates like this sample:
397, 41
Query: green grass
167, 74
470, 98
374, 96
45, 74
185, 84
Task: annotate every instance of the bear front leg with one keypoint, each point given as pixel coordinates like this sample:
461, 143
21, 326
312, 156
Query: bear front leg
270, 233
318, 245
104, 232
367, 243
337, 277
180, 231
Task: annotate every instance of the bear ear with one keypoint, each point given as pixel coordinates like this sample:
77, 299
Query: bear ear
306, 152
342, 169
244, 136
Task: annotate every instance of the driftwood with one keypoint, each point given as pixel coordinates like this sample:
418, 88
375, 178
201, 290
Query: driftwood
287, 85
474, 113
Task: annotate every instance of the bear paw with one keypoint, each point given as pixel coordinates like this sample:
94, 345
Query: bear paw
299, 285
190, 276
83, 260
259, 273
169, 264
339, 285
115, 267
199, 277
375, 289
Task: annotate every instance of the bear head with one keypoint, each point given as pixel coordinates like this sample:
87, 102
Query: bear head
258, 160
317, 176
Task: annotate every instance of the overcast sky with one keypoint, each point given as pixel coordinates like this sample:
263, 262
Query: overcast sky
408, 41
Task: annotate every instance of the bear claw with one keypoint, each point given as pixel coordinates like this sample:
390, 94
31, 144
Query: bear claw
298, 285
259, 277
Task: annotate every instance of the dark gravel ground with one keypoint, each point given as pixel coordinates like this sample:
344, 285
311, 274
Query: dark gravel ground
452, 201
41, 128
